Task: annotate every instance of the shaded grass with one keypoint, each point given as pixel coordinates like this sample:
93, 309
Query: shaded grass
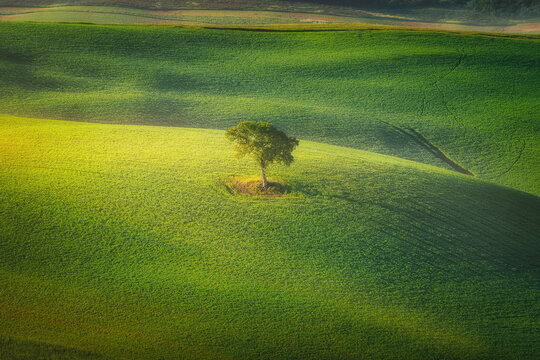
17, 349
120, 241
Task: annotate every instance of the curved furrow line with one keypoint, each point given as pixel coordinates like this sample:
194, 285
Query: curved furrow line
456, 65
445, 103
427, 145
423, 106
456, 221
485, 241
425, 234
523, 145
403, 234
435, 85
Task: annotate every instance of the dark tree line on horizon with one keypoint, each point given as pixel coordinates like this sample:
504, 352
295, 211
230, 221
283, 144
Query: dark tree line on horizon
484, 6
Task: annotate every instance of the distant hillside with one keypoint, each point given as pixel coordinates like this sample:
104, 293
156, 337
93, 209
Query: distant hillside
485, 6
490, 6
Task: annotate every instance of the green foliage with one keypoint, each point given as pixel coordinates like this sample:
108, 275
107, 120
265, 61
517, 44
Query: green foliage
263, 142
472, 96
120, 241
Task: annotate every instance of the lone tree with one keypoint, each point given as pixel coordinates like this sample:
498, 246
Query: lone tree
264, 142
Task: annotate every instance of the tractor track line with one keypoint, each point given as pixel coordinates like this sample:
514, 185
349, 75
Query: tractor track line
427, 145
523, 145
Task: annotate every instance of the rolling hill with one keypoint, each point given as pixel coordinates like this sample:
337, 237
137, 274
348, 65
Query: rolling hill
120, 241
259, 13
468, 99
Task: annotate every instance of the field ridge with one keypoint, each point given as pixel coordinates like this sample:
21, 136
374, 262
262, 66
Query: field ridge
119, 240
426, 144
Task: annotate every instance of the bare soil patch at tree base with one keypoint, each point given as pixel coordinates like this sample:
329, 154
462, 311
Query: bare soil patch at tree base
253, 187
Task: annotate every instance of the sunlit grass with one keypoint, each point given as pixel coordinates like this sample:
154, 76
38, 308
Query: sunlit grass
122, 241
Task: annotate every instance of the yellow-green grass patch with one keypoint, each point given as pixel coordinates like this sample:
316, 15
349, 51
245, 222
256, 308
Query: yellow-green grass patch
116, 240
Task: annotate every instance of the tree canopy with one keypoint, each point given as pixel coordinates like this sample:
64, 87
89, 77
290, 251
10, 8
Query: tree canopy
263, 142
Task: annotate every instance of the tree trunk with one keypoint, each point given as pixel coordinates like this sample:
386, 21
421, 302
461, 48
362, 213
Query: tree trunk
263, 175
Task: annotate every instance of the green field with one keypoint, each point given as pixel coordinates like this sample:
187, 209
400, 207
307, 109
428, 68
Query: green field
120, 241
473, 97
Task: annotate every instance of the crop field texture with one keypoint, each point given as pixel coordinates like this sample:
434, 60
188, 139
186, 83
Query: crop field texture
120, 241
473, 98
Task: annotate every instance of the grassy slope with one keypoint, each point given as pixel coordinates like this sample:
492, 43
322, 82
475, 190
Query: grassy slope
120, 241
473, 96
